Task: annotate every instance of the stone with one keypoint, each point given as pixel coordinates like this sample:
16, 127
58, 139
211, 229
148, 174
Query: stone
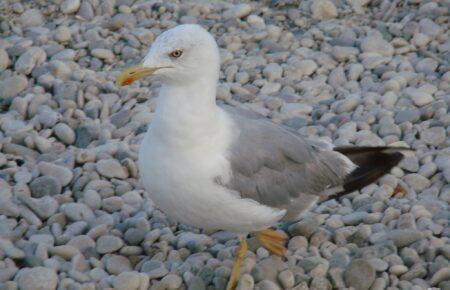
63, 174
295, 109
111, 168
62, 34
420, 39
238, 11
346, 105
171, 282
433, 136
33, 57
197, 283
112, 204
270, 88
154, 269
82, 243
256, 21
118, 264
404, 237
86, 11
45, 185
307, 66
287, 279
127, 281
268, 285
92, 199
245, 282
10, 250
441, 275
64, 133
66, 90
359, 274
375, 43
305, 227
417, 181
427, 66
273, 71
323, 9
419, 98
191, 238
78, 211
32, 18
37, 278
12, 86
69, 6
4, 60
429, 27
108, 244
102, 53
120, 118
407, 115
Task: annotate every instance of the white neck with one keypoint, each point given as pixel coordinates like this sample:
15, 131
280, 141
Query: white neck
186, 112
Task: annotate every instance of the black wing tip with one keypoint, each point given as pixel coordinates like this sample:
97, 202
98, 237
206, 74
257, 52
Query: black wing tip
372, 162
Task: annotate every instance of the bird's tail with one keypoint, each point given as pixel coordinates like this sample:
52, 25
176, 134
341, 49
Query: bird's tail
372, 162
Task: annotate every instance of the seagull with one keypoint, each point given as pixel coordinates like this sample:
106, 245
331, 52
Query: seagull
218, 167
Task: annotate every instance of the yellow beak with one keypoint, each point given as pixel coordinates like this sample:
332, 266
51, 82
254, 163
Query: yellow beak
134, 73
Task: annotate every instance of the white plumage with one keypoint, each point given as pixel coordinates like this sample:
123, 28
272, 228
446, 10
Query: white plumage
187, 143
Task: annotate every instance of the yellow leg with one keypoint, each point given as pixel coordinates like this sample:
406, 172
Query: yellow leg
272, 240
240, 255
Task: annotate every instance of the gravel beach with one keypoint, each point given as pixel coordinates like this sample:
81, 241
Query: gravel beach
74, 215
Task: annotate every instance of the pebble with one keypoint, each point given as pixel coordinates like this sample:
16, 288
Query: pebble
111, 168
238, 11
12, 86
45, 185
62, 34
287, 279
427, 66
171, 282
118, 264
78, 212
37, 278
63, 174
402, 238
4, 60
108, 244
441, 275
70, 6
71, 201
376, 44
245, 282
32, 18
307, 67
127, 281
102, 53
33, 57
359, 274
420, 98
323, 9
433, 136
154, 269
273, 71
64, 133
417, 181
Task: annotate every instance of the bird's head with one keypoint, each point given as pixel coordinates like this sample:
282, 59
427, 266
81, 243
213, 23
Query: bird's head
180, 55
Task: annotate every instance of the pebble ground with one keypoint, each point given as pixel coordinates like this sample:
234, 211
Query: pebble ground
73, 214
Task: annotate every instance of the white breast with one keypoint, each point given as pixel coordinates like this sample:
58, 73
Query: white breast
179, 177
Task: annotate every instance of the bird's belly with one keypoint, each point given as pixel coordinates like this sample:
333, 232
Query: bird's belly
184, 188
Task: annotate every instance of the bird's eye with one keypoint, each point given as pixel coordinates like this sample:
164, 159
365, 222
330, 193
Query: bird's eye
176, 53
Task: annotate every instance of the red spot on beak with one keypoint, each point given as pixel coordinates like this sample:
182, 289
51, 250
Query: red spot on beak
127, 81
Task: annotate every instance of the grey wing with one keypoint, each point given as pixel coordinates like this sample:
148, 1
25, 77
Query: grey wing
277, 167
